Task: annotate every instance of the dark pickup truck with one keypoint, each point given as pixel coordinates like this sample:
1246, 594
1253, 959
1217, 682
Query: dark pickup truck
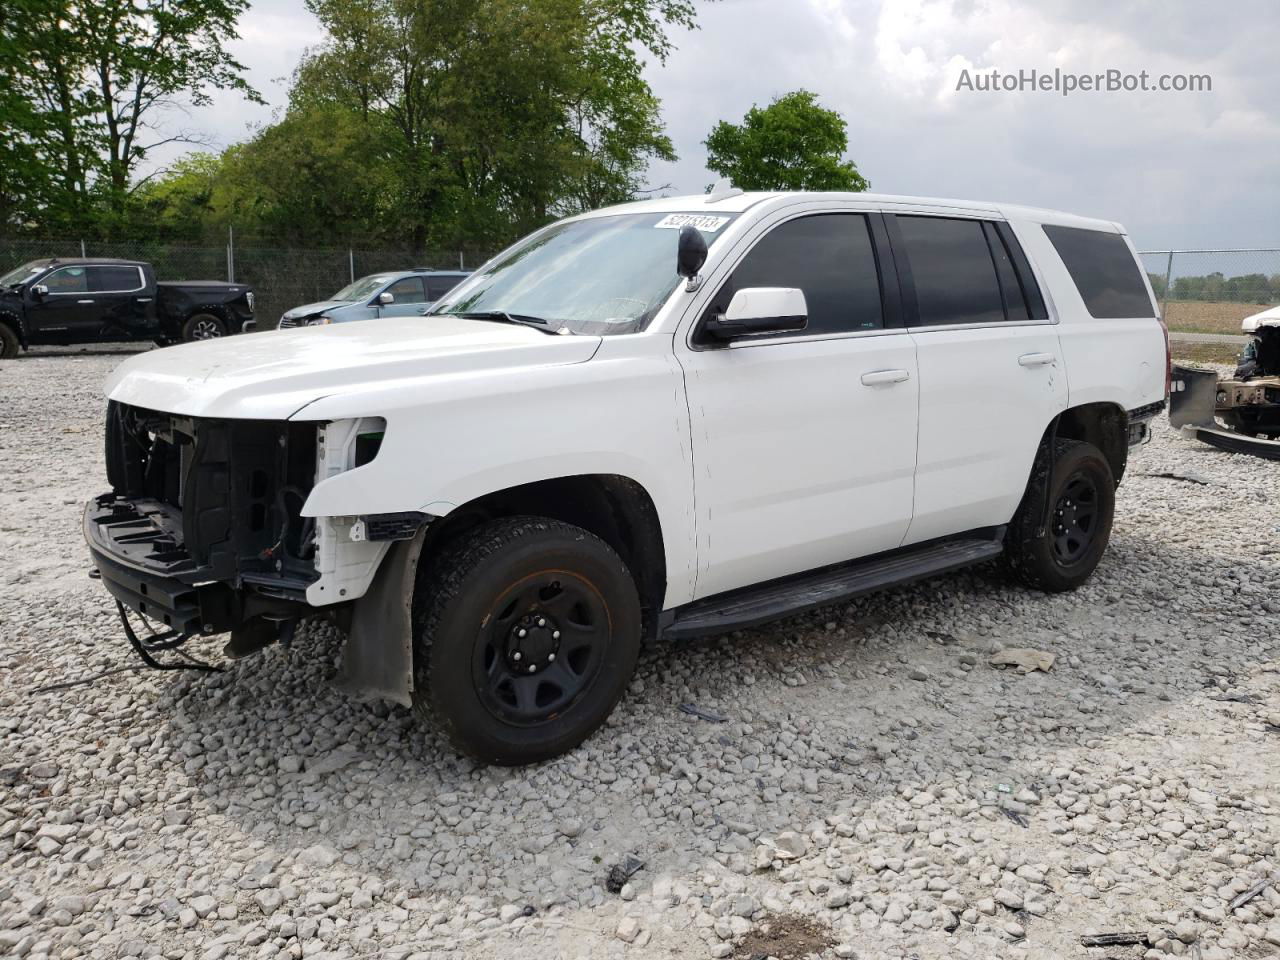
106, 301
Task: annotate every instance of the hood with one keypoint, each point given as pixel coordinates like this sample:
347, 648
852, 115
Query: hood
1267, 318
308, 309
271, 376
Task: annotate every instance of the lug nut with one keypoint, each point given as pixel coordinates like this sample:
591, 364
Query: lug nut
542, 622
532, 668
555, 634
522, 632
516, 655
551, 658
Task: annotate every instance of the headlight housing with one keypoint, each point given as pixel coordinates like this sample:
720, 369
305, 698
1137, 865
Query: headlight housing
249, 299
319, 321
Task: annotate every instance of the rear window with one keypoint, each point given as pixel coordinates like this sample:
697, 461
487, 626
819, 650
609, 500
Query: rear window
437, 287
1104, 272
955, 278
108, 279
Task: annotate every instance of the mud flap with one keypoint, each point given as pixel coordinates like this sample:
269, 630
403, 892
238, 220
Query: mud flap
1192, 398
377, 659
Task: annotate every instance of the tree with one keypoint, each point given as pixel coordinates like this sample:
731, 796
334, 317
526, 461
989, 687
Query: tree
99, 76
792, 144
494, 115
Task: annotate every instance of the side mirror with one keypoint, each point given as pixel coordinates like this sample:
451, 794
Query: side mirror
40, 290
755, 311
384, 298
691, 252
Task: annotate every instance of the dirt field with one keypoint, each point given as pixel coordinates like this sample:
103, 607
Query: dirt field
877, 788
1197, 317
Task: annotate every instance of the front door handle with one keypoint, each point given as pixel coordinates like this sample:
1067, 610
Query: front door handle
84, 301
884, 376
1036, 359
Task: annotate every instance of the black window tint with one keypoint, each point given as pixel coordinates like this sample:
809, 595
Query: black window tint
408, 290
955, 279
830, 258
105, 279
1015, 304
1022, 267
67, 280
1104, 272
437, 287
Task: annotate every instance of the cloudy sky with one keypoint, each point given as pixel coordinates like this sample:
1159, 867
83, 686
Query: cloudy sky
1178, 169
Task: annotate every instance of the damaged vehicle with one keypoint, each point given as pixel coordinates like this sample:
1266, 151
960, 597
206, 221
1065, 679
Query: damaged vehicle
667, 419
1240, 413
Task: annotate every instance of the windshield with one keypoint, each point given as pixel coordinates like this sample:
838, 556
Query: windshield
362, 289
23, 272
600, 276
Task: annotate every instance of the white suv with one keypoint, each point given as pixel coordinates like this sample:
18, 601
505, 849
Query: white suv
674, 417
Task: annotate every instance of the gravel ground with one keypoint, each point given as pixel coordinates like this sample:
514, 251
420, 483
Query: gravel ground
877, 787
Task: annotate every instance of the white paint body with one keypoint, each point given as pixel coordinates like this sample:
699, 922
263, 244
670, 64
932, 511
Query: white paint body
762, 459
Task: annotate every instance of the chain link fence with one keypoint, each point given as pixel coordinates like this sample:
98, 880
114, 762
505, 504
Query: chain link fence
1211, 291
281, 277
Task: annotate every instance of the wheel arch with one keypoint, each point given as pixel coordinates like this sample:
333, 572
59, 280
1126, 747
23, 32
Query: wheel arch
378, 652
1103, 424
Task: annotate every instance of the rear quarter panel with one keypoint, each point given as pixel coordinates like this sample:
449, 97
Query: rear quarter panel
1119, 361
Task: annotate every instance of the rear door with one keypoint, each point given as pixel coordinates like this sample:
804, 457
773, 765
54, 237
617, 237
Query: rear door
121, 299
991, 376
804, 443
438, 286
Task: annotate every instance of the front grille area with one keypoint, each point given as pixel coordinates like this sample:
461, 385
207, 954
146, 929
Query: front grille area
287, 322
225, 494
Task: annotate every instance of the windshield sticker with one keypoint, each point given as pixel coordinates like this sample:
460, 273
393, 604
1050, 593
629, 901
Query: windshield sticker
707, 224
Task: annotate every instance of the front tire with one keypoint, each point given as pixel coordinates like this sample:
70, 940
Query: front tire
1058, 551
8, 343
526, 633
203, 326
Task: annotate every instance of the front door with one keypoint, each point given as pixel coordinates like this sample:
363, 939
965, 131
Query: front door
68, 313
803, 444
410, 298
991, 374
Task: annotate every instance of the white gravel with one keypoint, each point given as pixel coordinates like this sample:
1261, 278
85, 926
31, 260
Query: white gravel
876, 776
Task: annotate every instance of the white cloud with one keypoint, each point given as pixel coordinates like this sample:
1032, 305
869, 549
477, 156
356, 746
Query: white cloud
1177, 169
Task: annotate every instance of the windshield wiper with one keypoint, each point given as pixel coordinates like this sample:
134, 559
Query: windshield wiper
502, 316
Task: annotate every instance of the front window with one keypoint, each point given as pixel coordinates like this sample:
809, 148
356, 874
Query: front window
599, 276
23, 273
68, 280
362, 289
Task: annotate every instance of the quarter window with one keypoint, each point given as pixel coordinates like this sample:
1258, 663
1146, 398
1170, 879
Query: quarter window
113, 279
1104, 272
828, 256
953, 271
408, 290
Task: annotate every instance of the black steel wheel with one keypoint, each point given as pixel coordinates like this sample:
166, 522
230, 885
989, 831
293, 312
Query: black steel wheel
1075, 518
1058, 548
526, 632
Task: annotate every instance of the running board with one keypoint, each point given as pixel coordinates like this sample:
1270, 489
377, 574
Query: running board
752, 606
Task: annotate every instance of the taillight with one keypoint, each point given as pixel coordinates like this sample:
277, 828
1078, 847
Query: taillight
1168, 358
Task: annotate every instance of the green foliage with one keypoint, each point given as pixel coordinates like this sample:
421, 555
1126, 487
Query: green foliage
792, 144
1248, 288
86, 86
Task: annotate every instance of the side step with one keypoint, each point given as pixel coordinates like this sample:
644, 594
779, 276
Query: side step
752, 606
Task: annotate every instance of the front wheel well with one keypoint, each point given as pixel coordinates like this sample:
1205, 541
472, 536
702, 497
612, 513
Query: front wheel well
1104, 425
615, 508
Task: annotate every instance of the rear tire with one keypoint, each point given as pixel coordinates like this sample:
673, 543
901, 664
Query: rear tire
1082, 493
526, 633
203, 326
9, 344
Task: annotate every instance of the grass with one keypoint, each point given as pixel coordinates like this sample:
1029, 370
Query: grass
1194, 316
1204, 352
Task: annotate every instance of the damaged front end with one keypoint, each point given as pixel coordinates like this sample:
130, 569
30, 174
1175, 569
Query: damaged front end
203, 530
1241, 413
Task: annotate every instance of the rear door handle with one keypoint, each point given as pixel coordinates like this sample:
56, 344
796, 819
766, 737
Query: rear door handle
884, 376
1036, 359
84, 301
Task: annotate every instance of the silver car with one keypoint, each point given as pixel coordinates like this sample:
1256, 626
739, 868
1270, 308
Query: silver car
404, 293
